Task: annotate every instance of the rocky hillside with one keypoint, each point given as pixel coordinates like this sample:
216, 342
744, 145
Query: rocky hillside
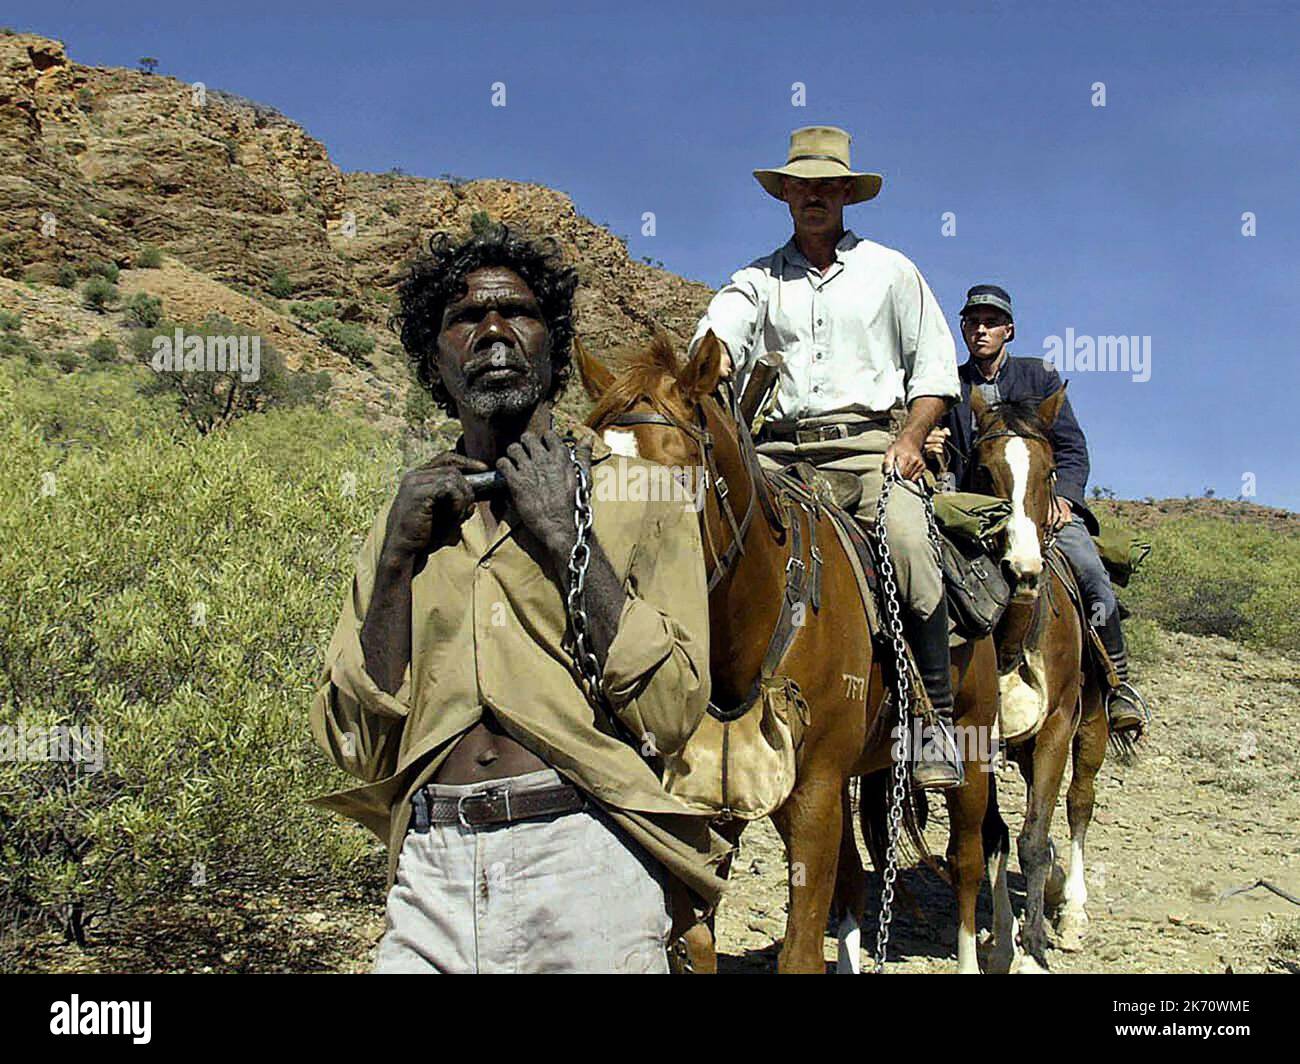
250, 214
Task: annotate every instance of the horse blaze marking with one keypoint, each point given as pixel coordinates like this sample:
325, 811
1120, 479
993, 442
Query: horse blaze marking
621, 442
855, 687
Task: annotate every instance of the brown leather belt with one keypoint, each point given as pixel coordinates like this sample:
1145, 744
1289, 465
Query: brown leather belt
497, 805
840, 430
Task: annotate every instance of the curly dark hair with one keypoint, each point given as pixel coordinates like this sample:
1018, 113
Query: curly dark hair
436, 277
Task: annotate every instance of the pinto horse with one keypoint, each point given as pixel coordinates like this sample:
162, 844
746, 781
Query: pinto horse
667, 412
1013, 459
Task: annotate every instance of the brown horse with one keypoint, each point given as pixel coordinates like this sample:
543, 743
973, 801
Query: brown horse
667, 412
1013, 459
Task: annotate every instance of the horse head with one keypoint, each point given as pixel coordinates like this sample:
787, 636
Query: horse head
1013, 460
672, 412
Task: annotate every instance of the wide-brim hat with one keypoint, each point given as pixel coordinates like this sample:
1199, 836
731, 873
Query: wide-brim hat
819, 151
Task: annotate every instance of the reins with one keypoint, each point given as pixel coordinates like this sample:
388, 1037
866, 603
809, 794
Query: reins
798, 585
725, 559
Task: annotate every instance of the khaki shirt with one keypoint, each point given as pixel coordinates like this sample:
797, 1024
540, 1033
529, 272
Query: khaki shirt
488, 631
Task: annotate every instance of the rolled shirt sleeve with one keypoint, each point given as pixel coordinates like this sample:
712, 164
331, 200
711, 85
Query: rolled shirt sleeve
355, 722
928, 352
656, 675
735, 316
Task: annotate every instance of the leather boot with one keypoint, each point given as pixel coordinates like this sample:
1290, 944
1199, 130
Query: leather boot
1126, 708
939, 765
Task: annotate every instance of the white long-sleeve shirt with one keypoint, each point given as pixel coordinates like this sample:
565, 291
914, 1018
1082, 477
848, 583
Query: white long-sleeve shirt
864, 337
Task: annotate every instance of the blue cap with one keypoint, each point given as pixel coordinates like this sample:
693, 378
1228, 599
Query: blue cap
987, 295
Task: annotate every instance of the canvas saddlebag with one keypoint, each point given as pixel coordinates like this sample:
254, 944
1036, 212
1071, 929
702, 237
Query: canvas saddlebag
975, 588
743, 767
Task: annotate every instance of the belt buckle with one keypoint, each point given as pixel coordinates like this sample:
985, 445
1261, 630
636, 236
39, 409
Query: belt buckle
485, 796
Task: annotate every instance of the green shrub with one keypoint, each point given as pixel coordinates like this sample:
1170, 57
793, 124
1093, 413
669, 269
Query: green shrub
347, 338
212, 398
14, 345
67, 361
313, 310
144, 310
1211, 576
98, 294
150, 258
280, 287
10, 322
106, 270
1143, 637
67, 276
175, 592
102, 350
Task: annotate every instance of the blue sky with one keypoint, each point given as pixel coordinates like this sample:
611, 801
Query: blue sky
1116, 220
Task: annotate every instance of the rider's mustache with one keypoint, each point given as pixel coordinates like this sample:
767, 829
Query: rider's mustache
495, 353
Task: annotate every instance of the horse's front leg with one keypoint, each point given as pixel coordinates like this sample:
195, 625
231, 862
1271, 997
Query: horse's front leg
1051, 749
1089, 753
850, 899
966, 805
809, 823
997, 847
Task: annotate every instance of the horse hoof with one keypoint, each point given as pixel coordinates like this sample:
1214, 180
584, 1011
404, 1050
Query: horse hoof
1001, 961
1026, 965
1070, 931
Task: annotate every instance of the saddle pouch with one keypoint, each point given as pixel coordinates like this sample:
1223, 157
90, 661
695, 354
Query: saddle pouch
1122, 552
976, 590
743, 767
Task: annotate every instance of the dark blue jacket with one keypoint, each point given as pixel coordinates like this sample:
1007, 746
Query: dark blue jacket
1020, 379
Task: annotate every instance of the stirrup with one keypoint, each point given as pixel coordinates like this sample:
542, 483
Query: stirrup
1125, 737
939, 775
1134, 698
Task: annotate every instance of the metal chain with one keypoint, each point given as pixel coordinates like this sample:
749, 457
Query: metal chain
894, 624
579, 560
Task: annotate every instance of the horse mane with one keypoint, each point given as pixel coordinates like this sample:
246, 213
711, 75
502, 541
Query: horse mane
650, 373
1021, 417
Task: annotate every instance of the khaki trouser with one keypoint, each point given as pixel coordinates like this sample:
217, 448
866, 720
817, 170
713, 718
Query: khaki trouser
568, 893
916, 565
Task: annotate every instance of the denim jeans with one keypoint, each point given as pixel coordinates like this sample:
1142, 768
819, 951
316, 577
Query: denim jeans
1094, 582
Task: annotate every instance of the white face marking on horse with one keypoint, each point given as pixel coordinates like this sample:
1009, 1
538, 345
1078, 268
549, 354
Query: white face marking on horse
622, 441
1023, 553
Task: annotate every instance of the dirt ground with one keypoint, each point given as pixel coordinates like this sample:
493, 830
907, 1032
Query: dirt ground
1212, 805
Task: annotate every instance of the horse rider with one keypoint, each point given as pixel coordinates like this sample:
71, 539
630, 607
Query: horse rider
514, 777
869, 368
988, 326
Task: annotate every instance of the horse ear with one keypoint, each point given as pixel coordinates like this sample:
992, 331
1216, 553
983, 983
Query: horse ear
977, 404
700, 376
1050, 407
594, 374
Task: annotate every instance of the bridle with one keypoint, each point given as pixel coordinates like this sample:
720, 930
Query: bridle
797, 584
699, 431
1002, 433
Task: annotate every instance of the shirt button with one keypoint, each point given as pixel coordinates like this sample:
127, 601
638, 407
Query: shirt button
486, 563
819, 321
818, 356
